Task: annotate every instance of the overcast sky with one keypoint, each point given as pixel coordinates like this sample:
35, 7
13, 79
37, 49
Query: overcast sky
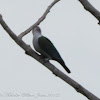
74, 32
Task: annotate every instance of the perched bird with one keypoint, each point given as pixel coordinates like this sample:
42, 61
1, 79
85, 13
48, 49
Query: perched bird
46, 48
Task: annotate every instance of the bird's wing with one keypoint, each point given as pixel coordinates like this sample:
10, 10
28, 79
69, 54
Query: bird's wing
47, 46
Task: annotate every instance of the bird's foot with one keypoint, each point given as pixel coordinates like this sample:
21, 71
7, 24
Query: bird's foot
46, 59
43, 59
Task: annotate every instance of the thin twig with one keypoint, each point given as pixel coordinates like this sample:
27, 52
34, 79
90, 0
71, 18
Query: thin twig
39, 20
86, 4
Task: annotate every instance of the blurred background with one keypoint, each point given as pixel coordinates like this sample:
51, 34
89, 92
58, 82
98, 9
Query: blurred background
74, 32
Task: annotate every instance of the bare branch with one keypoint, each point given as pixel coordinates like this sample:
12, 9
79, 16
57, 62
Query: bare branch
91, 9
57, 72
39, 20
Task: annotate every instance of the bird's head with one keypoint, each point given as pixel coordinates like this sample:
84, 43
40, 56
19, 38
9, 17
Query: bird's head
36, 30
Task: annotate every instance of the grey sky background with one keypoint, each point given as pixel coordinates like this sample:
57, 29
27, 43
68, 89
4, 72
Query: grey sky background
74, 32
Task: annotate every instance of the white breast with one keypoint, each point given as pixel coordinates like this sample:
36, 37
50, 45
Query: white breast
35, 42
37, 47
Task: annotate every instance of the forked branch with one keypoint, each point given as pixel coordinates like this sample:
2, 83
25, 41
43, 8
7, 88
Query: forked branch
39, 20
29, 51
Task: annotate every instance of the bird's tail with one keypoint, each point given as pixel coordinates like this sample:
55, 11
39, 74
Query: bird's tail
64, 66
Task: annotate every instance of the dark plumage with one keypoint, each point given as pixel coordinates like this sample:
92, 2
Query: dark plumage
44, 46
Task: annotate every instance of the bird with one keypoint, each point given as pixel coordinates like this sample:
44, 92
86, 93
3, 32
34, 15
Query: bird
46, 48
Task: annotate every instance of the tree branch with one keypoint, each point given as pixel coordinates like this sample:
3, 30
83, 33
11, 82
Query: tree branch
39, 20
29, 51
91, 9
